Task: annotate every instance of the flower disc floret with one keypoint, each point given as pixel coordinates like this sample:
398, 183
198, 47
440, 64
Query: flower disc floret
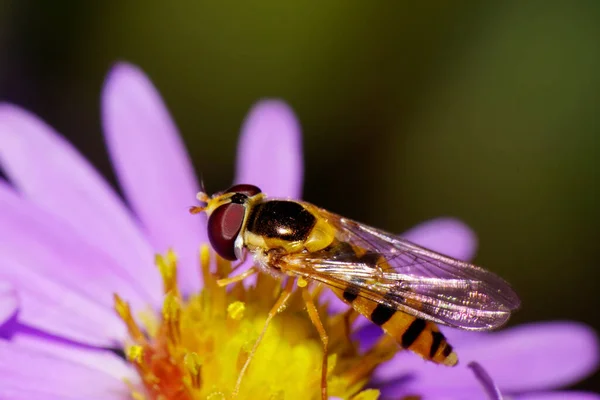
197, 346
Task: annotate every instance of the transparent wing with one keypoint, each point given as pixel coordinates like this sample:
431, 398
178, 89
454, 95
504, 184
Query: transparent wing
392, 271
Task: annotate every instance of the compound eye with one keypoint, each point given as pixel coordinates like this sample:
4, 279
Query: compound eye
224, 225
244, 188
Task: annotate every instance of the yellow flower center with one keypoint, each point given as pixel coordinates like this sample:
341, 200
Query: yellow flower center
196, 347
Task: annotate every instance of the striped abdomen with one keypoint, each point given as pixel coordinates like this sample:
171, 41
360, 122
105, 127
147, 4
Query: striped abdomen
412, 333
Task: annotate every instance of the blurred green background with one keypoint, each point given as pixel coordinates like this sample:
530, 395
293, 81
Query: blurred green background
487, 111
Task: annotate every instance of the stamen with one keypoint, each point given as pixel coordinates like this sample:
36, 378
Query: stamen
167, 266
201, 346
486, 381
193, 365
171, 313
135, 354
122, 308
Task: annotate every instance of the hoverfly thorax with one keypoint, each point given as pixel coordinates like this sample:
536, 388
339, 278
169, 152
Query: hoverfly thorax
226, 213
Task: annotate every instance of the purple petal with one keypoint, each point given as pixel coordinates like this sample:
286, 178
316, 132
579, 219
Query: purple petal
570, 395
270, 150
529, 357
105, 361
8, 302
64, 284
538, 356
153, 167
53, 175
29, 374
445, 235
60, 311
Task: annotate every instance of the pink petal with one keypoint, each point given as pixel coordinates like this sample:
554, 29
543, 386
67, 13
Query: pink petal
29, 374
153, 167
525, 358
270, 150
54, 176
9, 301
445, 235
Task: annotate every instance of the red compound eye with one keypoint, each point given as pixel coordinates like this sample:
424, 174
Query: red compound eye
244, 188
224, 226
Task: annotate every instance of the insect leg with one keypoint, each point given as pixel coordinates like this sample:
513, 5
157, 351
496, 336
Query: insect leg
276, 309
233, 279
314, 317
349, 317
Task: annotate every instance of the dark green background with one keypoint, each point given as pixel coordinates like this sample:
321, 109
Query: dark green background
488, 111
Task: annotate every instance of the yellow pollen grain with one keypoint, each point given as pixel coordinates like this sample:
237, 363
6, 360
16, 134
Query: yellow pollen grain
235, 310
199, 342
135, 354
302, 282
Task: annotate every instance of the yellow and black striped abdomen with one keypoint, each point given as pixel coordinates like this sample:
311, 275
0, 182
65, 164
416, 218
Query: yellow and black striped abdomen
412, 333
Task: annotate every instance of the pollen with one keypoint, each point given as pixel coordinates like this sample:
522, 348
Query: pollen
195, 347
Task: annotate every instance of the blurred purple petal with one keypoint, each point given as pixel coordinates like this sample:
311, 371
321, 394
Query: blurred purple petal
102, 360
564, 395
538, 356
270, 150
528, 357
46, 262
28, 374
153, 167
32, 239
9, 301
62, 311
53, 175
445, 235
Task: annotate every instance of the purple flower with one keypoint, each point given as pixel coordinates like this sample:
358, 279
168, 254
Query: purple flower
68, 243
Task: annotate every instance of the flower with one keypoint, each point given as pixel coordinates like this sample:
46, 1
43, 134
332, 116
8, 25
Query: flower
68, 243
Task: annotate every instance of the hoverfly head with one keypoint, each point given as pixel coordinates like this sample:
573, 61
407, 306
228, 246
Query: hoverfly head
226, 212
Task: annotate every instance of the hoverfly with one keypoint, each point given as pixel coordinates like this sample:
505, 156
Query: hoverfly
403, 288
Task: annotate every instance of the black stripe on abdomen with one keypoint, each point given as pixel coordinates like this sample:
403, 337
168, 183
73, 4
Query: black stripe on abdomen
382, 314
413, 332
438, 338
447, 350
350, 294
